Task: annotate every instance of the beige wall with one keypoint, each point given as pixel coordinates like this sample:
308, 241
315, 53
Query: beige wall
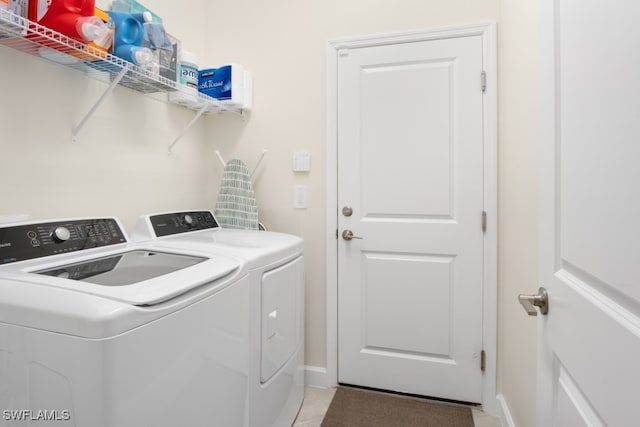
517, 58
120, 165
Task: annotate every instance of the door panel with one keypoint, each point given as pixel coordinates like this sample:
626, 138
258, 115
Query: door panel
417, 150
573, 407
595, 348
429, 285
589, 343
410, 165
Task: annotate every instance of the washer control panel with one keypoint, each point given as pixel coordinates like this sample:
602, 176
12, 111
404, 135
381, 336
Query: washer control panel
28, 241
182, 222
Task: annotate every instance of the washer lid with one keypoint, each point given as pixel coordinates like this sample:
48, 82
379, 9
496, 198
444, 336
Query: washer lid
69, 312
138, 277
123, 268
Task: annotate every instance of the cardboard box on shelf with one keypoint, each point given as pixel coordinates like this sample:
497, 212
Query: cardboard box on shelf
165, 60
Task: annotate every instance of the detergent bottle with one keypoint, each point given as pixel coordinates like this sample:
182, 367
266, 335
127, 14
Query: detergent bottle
129, 35
73, 18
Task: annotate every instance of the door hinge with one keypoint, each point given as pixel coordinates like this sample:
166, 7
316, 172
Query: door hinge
336, 234
483, 360
483, 81
484, 221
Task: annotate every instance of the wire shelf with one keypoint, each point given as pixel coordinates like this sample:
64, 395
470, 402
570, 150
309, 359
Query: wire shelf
29, 37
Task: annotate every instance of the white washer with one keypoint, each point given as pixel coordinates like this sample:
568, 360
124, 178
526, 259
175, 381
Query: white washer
96, 331
276, 269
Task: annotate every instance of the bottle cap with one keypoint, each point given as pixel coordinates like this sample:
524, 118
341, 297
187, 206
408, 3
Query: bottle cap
142, 56
91, 27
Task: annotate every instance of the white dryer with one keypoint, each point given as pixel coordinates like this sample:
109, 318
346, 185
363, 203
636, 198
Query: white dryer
96, 331
276, 269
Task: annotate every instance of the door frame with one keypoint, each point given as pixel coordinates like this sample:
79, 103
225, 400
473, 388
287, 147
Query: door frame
487, 32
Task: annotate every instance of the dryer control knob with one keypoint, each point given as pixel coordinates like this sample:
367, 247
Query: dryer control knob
189, 219
60, 234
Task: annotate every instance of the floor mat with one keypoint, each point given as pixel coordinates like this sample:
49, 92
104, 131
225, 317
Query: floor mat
360, 408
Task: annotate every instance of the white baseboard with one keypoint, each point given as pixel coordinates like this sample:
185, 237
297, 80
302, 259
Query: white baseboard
316, 376
505, 415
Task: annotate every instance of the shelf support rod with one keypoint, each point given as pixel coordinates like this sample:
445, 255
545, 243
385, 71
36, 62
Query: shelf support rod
191, 123
114, 83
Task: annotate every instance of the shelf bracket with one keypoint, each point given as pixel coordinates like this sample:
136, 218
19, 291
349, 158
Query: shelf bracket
114, 83
191, 123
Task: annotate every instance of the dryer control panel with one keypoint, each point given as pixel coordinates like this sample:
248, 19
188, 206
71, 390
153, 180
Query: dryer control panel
28, 241
182, 222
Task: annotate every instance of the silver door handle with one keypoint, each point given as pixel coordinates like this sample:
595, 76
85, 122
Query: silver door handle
348, 235
530, 302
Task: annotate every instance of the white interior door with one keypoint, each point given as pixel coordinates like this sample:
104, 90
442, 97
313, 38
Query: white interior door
410, 180
589, 246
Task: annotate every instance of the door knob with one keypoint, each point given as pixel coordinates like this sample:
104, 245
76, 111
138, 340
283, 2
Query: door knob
348, 235
530, 302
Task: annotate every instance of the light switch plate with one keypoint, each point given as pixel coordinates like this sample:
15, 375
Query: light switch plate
300, 197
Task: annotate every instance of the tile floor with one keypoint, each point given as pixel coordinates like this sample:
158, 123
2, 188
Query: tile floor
317, 400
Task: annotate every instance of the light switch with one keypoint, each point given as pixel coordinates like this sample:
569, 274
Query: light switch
301, 161
300, 197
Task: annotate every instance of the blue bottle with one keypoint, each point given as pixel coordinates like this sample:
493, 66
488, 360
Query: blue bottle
128, 37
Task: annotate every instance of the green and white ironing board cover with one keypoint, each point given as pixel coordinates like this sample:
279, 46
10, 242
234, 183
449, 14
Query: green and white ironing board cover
236, 206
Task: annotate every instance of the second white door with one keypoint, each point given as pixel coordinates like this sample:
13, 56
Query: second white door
589, 207
410, 189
